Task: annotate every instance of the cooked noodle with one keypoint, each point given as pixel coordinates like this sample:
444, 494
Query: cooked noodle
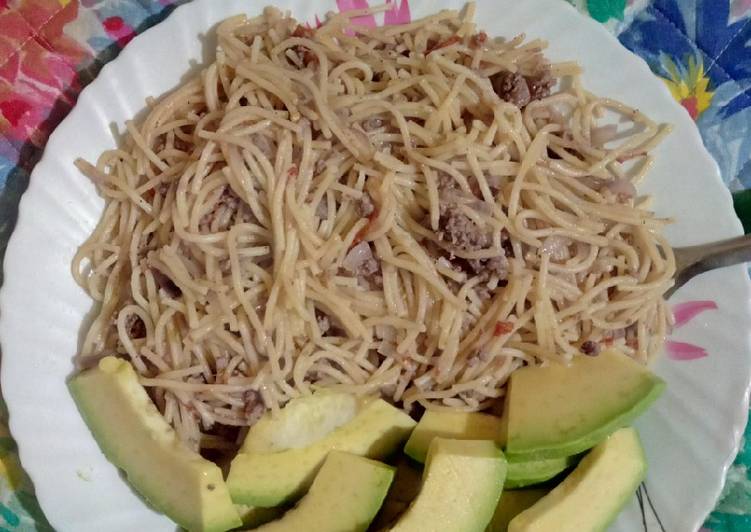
384, 210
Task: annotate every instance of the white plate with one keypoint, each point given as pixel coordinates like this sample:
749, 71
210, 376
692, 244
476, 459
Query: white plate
691, 435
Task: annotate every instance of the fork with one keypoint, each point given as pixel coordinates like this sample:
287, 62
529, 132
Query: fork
693, 260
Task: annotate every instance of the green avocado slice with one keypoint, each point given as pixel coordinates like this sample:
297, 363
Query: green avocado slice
461, 485
479, 426
301, 422
135, 437
268, 479
403, 491
557, 411
450, 424
591, 497
513, 503
529, 472
253, 517
344, 497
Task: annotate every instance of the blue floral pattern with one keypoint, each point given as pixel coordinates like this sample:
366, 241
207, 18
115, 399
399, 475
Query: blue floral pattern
672, 34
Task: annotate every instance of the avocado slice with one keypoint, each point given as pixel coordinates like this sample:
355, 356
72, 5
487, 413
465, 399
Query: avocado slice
513, 503
344, 497
462, 483
451, 424
591, 497
478, 426
268, 479
135, 437
252, 516
403, 491
529, 472
555, 411
301, 422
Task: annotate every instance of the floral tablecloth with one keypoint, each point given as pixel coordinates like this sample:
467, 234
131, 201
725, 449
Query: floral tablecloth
50, 49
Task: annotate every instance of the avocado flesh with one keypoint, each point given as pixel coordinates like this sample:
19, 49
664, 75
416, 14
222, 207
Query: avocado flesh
448, 424
462, 483
478, 426
135, 437
253, 516
301, 422
512, 503
557, 411
529, 472
591, 497
344, 497
403, 491
275, 478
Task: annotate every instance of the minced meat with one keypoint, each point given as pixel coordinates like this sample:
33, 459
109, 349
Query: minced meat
135, 327
365, 206
166, 284
254, 406
461, 231
494, 266
520, 90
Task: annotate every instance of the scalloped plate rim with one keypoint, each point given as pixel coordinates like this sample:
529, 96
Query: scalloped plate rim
13, 364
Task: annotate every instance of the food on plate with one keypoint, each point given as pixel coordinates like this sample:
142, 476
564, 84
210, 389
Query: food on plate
558, 411
591, 497
302, 421
478, 426
451, 424
512, 503
461, 486
253, 517
136, 438
404, 489
331, 230
474, 426
344, 497
278, 476
522, 472
413, 211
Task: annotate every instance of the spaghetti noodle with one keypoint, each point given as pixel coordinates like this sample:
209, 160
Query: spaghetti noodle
411, 211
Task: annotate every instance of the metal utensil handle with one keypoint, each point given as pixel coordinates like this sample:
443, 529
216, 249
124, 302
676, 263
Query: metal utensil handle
718, 254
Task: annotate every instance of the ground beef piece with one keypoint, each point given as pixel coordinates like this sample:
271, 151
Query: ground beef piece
368, 267
446, 181
180, 144
228, 209
365, 206
360, 260
590, 348
303, 52
520, 90
540, 84
135, 327
497, 266
166, 284
363, 264
461, 231
511, 87
254, 406
373, 282
226, 202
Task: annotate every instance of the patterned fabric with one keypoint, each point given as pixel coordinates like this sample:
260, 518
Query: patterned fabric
50, 49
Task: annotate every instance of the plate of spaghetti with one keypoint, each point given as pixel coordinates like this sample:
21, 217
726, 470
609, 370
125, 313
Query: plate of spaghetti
411, 201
